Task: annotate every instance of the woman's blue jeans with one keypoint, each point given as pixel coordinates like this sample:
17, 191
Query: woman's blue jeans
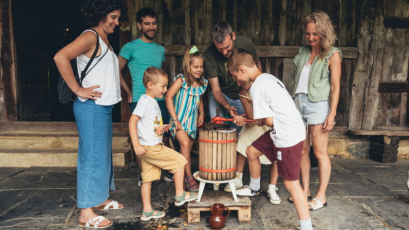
94, 168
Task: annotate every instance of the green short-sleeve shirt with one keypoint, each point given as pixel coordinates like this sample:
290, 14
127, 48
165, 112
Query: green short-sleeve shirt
140, 56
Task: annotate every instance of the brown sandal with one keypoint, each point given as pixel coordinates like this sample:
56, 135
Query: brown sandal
191, 184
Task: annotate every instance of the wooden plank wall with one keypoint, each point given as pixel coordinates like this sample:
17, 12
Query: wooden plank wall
384, 54
8, 88
276, 28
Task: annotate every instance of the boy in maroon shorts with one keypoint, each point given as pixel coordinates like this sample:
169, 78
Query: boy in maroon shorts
284, 142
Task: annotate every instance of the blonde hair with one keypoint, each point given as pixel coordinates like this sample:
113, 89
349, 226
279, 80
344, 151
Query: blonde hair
187, 60
325, 30
241, 57
152, 74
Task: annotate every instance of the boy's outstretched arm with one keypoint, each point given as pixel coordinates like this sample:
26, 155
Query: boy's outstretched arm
133, 131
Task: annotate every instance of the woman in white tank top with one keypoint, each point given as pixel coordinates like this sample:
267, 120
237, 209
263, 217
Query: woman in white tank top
99, 92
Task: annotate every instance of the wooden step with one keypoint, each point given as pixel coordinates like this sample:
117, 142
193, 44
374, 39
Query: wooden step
53, 158
56, 141
52, 127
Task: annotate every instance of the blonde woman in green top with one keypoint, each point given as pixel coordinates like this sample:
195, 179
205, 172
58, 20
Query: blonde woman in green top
316, 94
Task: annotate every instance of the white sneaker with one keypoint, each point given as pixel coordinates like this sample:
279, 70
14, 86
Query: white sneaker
238, 182
247, 191
274, 198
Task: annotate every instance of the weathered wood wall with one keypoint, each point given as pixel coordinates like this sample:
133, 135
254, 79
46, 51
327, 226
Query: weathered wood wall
276, 28
8, 88
384, 54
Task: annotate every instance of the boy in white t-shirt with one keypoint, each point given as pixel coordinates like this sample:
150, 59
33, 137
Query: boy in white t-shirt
284, 142
146, 129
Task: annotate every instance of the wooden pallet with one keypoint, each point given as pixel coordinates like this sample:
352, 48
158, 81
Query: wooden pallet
243, 205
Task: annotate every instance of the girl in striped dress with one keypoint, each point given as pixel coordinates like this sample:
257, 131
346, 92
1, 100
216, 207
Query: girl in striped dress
185, 105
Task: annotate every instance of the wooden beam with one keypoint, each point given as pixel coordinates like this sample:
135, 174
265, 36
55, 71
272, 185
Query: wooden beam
393, 87
390, 132
264, 51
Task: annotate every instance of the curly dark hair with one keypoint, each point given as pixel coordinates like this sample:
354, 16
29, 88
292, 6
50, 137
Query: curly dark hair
96, 10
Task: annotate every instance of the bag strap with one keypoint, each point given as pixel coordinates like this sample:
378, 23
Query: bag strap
84, 72
97, 61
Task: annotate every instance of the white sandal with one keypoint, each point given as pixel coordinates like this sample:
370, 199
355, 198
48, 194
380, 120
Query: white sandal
97, 220
113, 203
318, 205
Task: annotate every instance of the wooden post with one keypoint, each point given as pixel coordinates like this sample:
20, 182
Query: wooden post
193, 216
244, 214
7, 63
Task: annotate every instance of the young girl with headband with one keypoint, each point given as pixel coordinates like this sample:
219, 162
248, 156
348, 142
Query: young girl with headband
185, 105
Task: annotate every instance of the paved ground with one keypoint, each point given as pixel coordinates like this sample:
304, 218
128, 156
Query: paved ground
362, 194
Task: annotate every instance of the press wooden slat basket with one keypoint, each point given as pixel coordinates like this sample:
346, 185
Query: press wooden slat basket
217, 154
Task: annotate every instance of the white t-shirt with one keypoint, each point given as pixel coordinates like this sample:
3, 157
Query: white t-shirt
149, 112
271, 99
303, 82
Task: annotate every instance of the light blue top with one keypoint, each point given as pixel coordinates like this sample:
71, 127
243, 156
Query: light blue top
140, 56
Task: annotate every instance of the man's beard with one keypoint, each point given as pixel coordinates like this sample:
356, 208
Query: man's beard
230, 52
147, 36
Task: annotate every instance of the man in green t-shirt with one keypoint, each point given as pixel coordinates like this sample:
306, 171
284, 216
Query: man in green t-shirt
224, 92
138, 55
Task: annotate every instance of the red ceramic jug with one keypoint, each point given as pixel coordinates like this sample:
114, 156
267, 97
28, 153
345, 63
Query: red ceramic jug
217, 220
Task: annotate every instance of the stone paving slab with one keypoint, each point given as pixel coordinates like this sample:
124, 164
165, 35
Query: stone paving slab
389, 181
51, 180
48, 208
368, 189
13, 198
362, 194
370, 166
339, 214
45, 170
7, 172
394, 212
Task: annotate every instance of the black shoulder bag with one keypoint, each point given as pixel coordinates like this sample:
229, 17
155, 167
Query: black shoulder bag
65, 94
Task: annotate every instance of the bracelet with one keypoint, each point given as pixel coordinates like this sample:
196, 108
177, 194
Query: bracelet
175, 119
202, 114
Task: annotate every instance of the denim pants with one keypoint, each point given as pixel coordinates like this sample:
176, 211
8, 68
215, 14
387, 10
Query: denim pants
94, 168
236, 103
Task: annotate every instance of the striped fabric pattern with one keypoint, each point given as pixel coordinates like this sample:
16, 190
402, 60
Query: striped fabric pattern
186, 102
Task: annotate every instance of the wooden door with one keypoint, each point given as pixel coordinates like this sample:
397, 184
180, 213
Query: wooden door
29, 24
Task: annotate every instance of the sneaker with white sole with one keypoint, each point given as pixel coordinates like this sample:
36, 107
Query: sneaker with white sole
140, 182
247, 191
273, 197
238, 182
168, 177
